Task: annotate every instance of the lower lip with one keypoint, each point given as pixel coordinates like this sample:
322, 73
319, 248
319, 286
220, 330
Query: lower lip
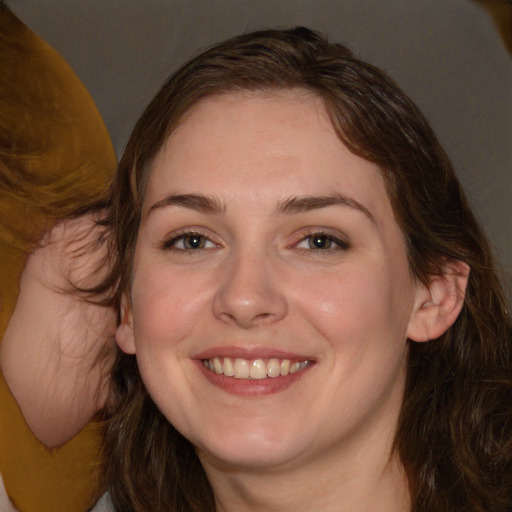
251, 387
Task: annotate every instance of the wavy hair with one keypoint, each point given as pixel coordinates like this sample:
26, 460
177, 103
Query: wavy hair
455, 427
56, 158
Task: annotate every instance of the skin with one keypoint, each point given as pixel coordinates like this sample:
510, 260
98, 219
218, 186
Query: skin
258, 285
58, 348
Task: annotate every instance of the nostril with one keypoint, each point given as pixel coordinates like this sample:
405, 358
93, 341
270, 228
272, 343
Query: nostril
248, 296
246, 321
249, 317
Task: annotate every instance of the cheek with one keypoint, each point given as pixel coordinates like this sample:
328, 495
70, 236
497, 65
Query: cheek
358, 305
166, 308
166, 313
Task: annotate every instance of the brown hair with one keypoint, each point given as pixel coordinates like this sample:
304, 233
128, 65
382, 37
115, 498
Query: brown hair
56, 158
456, 423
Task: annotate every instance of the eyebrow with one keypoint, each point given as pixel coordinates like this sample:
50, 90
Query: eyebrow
198, 202
290, 206
302, 204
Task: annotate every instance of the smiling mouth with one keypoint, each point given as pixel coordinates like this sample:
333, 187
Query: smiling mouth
254, 368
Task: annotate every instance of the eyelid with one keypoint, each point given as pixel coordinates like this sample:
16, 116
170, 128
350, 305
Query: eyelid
168, 242
335, 236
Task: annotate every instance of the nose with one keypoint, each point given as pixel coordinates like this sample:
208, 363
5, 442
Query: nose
250, 293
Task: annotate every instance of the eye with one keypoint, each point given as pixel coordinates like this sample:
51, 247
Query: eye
189, 242
322, 242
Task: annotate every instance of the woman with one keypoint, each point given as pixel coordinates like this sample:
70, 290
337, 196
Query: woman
313, 309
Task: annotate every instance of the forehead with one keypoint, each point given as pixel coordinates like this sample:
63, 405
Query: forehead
262, 143
263, 117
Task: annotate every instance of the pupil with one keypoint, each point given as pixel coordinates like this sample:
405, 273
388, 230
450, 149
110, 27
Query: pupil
193, 242
320, 242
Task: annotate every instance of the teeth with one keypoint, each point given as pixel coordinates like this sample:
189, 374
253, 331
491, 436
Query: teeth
258, 369
228, 367
253, 369
217, 365
294, 367
242, 369
273, 368
285, 367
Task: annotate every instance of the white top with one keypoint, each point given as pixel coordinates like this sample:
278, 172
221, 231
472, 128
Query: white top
5, 502
103, 505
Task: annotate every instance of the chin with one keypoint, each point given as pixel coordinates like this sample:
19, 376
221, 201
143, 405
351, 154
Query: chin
251, 449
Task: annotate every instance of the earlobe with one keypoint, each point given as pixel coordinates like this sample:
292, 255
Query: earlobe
124, 332
438, 305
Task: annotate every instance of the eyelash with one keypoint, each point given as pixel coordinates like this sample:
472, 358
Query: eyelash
169, 245
340, 245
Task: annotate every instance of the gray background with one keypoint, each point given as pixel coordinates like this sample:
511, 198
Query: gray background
446, 54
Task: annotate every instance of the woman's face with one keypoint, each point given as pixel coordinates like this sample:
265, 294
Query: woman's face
271, 294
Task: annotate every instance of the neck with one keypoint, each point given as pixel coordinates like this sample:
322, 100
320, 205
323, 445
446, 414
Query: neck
374, 482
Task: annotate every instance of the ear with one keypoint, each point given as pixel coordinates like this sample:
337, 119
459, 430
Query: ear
124, 332
438, 305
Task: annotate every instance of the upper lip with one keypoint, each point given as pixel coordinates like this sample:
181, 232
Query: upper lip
251, 352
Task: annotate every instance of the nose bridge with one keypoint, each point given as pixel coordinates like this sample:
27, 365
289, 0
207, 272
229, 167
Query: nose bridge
249, 293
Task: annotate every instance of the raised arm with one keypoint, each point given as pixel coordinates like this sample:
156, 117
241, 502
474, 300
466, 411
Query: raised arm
58, 347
